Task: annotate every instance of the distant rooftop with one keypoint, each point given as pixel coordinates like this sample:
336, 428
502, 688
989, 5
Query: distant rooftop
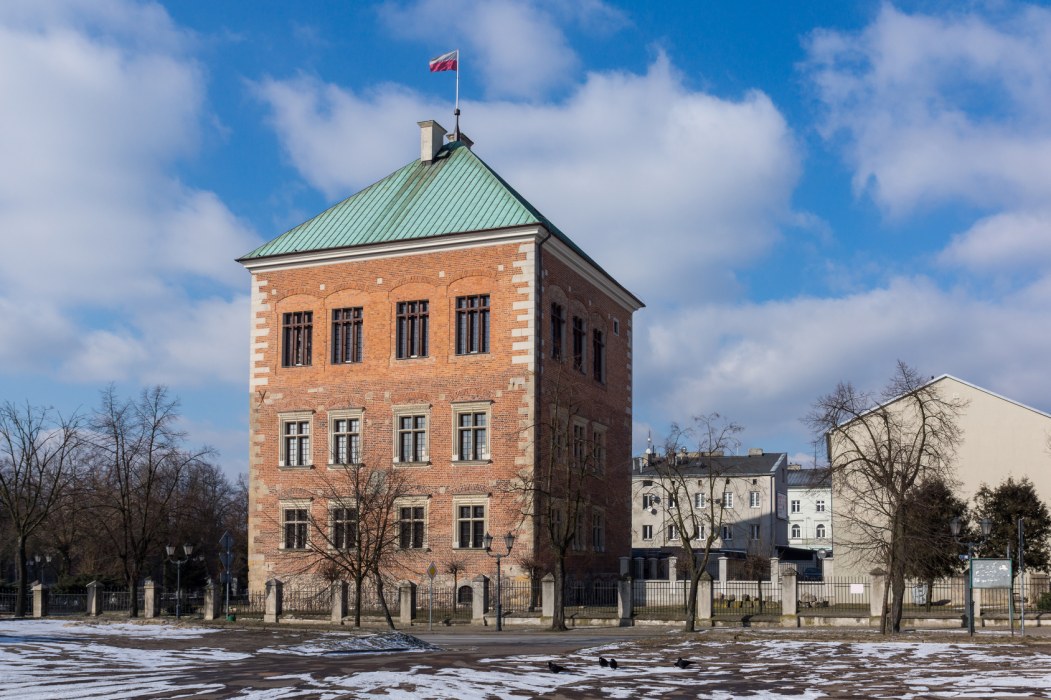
761, 464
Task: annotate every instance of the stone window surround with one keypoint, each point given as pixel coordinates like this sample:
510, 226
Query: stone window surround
294, 417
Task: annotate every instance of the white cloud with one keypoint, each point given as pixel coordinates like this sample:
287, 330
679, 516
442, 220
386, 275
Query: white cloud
105, 102
1008, 242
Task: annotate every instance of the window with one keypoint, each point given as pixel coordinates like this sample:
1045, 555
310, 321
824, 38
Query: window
579, 542
698, 500
578, 343
471, 432
411, 527
673, 532
796, 532
648, 500
344, 528
728, 532
412, 438
295, 521
795, 506
819, 532
647, 532
753, 532
598, 531
753, 499
819, 506
558, 330
598, 356
728, 499
673, 501
616, 327
346, 335
412, 326
296, 332
346, 438
599, 448
580, 446
472, 324
470, 526
295, 441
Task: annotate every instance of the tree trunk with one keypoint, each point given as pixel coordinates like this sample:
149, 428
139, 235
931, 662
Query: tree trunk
558, 619
357, 599
23, 574
383, 601
133, 595
691, 599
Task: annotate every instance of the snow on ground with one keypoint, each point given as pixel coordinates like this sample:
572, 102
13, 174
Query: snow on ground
53, 658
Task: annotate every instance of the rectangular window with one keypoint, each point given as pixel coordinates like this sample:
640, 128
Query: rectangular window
412, 324
698, 500
647, 532
819, 506
472, 436
753, 499
296, 333
472, 324
598, 356
412, 438
599, 449
346, 440
558, 330
297, 443
346, 335
728, 532
295, 521
795, 506
598, 531
578, 343
411, 527
753, 532
344, 528
728, 499
673, 532
648, 499
470, 526
580, 446
579, 542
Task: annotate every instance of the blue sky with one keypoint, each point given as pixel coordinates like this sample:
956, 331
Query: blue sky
803, 193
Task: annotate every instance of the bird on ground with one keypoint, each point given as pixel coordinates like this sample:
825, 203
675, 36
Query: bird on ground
683, 663
555, 668
603, 662
613, 664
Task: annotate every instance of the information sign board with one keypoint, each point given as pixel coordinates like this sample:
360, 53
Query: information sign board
991, 573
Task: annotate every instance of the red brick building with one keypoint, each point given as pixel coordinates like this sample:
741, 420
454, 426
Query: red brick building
436, 324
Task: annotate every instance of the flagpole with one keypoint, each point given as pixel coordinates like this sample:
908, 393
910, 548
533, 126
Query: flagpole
456, 111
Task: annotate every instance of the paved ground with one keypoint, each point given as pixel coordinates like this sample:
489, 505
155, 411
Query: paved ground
55, 660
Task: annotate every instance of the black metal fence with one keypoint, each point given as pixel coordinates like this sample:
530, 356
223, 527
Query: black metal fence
740, 598
522, 597
591, 599
660, 600
248, 605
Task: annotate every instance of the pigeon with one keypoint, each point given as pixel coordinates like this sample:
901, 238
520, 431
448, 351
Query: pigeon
603, 662
613, 664
683, 663
555, 668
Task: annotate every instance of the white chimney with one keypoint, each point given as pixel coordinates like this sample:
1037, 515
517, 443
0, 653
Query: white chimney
431, 139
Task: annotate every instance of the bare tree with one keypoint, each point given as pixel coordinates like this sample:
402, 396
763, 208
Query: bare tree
39, 450
139, 461
692, 488
454, 567
880, 449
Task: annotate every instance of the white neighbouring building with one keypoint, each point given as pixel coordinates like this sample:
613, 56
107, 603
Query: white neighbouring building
809, 508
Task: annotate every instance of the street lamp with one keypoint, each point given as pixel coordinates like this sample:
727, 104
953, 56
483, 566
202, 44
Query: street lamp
509, 541
954, 527
188, 549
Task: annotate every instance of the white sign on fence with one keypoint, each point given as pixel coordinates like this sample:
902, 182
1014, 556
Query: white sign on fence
857, 589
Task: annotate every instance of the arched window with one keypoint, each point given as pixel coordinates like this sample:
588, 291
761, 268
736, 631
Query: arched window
795, 532
820, 531
464, 595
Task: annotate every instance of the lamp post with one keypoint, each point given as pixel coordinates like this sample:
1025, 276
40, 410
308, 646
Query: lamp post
954, 527
188, 549
509, 541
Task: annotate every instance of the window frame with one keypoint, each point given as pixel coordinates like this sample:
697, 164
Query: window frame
335, 524
558, 331
349, 414
598, 447
728, 500
795, 532
795, 506
471, 502
820, 532
579, 331
302, 527
472, 324
754, 532
647, 532
297, 338
819, 506
297, 417
700, 500
727, 533
413, 412
413, 504
598, 530
472, 408
348, 342
412, 329
672, 533
598, 355
755, 499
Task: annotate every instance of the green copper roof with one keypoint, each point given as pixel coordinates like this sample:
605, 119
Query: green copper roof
455, 193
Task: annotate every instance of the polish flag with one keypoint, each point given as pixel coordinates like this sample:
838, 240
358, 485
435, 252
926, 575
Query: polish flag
446, 61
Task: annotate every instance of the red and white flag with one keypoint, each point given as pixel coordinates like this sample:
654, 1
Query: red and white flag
447, 61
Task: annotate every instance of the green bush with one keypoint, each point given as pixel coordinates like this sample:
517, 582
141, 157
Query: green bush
1044, 602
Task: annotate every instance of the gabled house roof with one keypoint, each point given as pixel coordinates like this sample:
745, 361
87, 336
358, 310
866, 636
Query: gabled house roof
808, 479
727, 466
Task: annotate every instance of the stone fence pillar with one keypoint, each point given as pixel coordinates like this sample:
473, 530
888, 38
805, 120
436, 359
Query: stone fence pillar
94, 598
673, 568
340, 590
406, 602
547, 596
775, 571
724, 569
704, 598
790, 599
479, 599
625, 590
213, 600
274, 594
151, 604
877, 583
40, 595
625, 566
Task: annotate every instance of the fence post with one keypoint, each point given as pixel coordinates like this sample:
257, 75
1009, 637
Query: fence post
625, 589
547, 596
94, 598
640, 568
406, 602
274, 591
724, 570
790, 599
976, 597
828, 568
673, 568
339, 601
211, 600
652, 568
625, 566
775, 571
479, 599
150, 603
877, 582
40, 594
704, 598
